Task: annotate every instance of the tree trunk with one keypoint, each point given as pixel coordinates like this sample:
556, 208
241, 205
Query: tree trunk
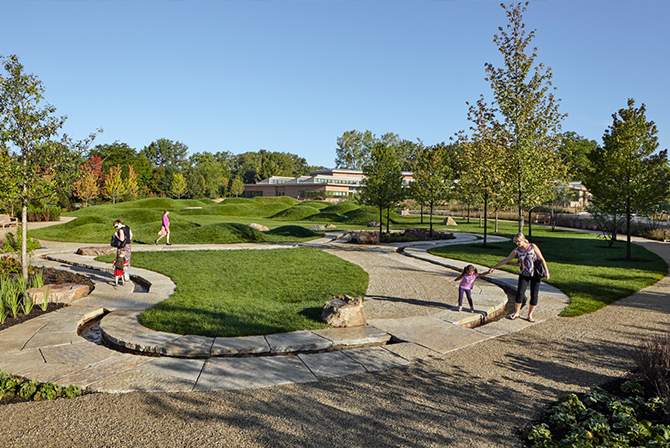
628, 249
431, 219
468, 213
381, 223
496, 227
24, 237
486, 204
530, 229
388, 218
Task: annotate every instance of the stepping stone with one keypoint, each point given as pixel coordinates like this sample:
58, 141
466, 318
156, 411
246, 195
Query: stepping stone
244, 345
245, 373
411, 351
354, 336
331, 364
189, 346
303, 341
103, 370
376, 358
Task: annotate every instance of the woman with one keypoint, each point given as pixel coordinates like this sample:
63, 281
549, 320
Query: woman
165, 229
125, 235
529, 272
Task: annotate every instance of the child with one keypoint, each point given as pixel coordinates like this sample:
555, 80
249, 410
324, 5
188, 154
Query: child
118, 270
468, 279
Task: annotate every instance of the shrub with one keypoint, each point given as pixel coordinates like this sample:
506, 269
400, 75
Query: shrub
40, 213
653, 361
654, 234
9, 265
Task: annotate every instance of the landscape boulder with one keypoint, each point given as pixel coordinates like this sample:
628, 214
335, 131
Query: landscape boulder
259, 227
64, 293
373, 224
96, 251
317, 227
344, 311
365, 238
449, 221
331, 226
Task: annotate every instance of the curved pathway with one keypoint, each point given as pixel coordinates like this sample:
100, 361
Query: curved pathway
478, 397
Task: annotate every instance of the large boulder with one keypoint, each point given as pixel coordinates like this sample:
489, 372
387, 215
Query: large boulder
344, 311
331, 226
373, 224
365, 238
64, 293
259, 227
96, 251
317, 227
449, 221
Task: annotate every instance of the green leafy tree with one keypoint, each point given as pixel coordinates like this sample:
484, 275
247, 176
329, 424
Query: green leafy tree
383, 183
178, 185
354, 149
236, 187
115, 187
131, 183
574, 151
166, 153
195, 184
87, 186
38, 165
627, 176
529, 118
433, 178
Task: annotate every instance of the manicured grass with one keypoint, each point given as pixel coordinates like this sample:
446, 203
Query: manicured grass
247, 292
581, 265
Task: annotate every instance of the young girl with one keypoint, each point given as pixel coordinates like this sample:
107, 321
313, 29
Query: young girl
118, 271
165, 228
467, 280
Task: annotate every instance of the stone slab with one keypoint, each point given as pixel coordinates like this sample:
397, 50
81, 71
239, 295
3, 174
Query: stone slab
429, 332
244, 345
187, 369
376, 358
136, 381
354, 336
245, 373
49, 339
331, 364
12, 344
189, 346
80, 353
411, 351
148, 342
45, 373
102, 370
297, 341
14, 362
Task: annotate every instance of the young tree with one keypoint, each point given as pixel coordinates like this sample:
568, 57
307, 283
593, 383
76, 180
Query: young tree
38, 165
382, 186
115, 187
236, 187
433, 178
178, 185
131, 182
87, 187
529, 116
627, 176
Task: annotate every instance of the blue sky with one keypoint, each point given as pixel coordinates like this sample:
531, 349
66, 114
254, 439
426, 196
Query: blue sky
293, 76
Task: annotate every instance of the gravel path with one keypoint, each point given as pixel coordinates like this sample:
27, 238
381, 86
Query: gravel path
479, 397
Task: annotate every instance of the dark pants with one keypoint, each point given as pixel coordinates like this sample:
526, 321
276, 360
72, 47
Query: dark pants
468, 293
534, 281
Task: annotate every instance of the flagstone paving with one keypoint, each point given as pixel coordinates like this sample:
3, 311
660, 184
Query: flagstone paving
409, 302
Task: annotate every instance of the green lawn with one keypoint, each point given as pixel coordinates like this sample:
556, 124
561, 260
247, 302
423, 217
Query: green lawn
247, 292
581, 265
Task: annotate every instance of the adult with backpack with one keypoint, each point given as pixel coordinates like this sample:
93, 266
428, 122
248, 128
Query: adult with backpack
121, 240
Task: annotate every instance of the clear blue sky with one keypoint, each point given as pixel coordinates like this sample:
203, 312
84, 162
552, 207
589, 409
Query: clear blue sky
292, 76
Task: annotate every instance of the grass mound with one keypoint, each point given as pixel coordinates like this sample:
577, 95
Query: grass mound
315, 204
293, 231
234, 209
296, 213
219, 233
341, 207
361, 216
277, 199
241, 201
325, 217
269, 209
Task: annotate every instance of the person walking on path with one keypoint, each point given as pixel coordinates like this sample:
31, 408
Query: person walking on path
532, 267
165, 229
125, 235
467, 277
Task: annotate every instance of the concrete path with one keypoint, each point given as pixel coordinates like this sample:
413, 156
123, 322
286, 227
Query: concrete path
410, 318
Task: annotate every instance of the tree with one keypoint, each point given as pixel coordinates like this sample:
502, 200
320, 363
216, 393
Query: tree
236, 187
529, 116
482, 161
178, 185
354, 148
433, 178
115, 187
38, 165
574, 151
382, 186
627, 176
131, 182
87, 187
166, 153
195, 184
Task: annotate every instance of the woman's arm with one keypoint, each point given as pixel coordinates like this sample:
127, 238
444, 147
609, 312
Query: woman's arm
538, 253
509, 258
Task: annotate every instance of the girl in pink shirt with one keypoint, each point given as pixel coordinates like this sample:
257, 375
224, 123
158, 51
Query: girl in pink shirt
467, 279
165, 228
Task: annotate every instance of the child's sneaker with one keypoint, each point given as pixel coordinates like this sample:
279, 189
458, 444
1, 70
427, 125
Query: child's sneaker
472, 310
460, 308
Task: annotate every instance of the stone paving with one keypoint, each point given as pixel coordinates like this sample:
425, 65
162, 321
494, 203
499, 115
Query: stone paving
48, 348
